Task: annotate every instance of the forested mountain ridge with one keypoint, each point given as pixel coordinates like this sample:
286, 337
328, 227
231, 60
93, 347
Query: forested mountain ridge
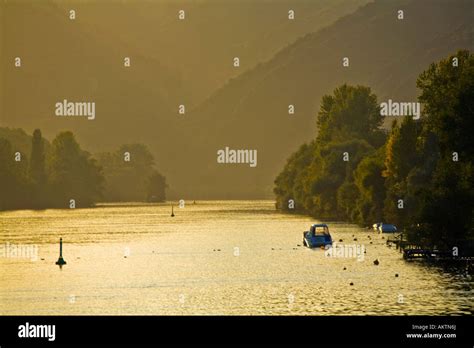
384, 52
173, 62
83, 61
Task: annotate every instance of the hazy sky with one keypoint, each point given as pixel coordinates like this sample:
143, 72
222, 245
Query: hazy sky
180, 91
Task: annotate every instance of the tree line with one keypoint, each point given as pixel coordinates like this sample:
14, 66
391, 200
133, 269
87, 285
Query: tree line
62, 175
419, 175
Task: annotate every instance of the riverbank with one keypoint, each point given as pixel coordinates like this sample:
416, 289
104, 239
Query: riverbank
215, 257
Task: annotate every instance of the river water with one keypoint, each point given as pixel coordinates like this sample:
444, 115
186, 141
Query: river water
213, 257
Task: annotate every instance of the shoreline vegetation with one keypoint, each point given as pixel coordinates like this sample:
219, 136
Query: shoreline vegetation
36, 174
418, 176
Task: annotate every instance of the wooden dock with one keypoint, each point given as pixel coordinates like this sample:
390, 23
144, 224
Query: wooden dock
413, 251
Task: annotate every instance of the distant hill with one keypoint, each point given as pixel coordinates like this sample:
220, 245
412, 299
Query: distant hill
82, 60
61, 61
172, 62
200, 48
2, 62
251, 111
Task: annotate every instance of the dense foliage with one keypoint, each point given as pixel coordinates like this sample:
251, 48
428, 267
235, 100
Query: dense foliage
130, 175
41, 175
420, 176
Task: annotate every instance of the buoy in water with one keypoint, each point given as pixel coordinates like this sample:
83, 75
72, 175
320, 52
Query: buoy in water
376, 262
172, 211
60, 261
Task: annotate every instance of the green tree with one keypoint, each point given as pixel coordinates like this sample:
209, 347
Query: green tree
289, 183
333, 165
14, 187
73, 173
347, 197
401, 150
319, 176
131, 175
447, 91
426, 163
156, 187
371, 187
37, 170
401, 157
350, 112
445, 178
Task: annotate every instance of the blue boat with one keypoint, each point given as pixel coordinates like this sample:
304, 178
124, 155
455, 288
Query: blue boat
387, 228
317, 236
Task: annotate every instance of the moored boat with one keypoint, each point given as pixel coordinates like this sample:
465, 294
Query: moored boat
387, 228
317, 236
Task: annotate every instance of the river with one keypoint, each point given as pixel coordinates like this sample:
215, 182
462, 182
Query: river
213, 257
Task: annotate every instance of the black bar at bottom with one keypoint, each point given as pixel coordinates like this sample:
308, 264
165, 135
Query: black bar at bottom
136, 330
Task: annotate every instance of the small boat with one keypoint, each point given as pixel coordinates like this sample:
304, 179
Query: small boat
387, 228
317, 236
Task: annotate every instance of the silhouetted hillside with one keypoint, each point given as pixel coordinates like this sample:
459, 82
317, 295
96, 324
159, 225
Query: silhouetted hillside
172, 62
384, 52
60, 61
200, 48
177, 62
